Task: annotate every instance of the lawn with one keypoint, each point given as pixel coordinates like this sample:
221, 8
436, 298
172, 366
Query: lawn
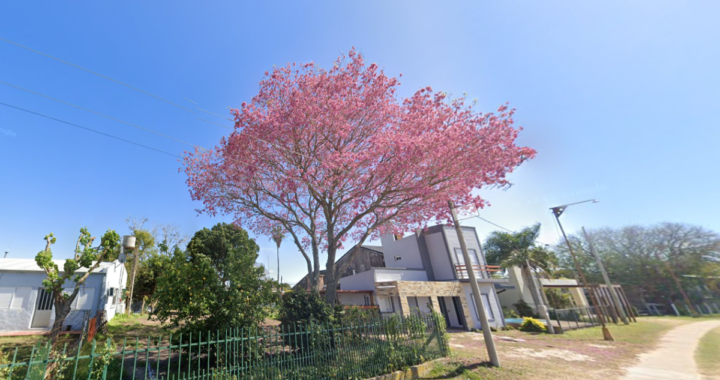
573, 355
707, 355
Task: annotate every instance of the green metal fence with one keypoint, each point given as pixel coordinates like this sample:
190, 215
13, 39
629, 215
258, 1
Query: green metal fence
312, 351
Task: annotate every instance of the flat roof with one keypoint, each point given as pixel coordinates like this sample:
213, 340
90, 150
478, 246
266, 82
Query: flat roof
29, 265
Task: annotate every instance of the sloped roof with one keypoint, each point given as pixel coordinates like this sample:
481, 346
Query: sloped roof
29, 265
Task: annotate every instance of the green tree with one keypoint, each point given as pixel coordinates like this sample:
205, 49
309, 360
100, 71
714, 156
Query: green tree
150, 270
519, 249
85, 257
634, 257
214, 284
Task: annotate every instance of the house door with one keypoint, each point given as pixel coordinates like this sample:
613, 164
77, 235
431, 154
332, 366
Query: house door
443, 310
459, 311
43, 309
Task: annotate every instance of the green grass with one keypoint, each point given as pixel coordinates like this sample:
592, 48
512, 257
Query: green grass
470, 361
638, 333
708, 353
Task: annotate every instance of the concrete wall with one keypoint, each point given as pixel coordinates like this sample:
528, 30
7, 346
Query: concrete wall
20, 319
511, 296
406, 249
388, 274
360, 281
116, 277
471, 240
442, 268
496, 318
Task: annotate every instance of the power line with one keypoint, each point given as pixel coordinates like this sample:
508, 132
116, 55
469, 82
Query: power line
499, 226
96, 113
90, 129
213, 113
212, 122
94, 73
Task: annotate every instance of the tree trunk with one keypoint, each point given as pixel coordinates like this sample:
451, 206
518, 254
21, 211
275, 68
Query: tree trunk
330, 278
62, 309
315, 280
132, 285
278, 267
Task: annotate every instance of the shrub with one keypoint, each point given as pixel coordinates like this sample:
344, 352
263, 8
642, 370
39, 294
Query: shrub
509, 313
303, 311
558, 298
532, 325
523, 308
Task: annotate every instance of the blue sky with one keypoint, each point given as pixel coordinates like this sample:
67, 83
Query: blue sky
618, 98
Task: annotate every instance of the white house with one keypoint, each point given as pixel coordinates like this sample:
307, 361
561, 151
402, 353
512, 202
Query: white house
426, 271
25, 305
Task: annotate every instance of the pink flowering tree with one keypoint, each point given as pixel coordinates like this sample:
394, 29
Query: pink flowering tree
333, 156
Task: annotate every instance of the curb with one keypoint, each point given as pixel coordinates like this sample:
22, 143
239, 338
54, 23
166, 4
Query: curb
411, 373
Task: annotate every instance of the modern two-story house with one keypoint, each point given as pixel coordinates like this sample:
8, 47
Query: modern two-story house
422, 272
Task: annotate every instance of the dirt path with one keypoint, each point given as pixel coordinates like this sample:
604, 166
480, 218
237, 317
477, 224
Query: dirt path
674, 359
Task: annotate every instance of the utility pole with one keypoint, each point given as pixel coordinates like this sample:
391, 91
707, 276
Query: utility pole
557, 211
487, 334
613, 293
689, 305
536, 289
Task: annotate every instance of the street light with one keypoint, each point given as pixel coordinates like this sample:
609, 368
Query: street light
557, 211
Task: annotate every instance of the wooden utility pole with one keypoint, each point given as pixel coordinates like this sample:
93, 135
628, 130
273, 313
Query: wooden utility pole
487, 334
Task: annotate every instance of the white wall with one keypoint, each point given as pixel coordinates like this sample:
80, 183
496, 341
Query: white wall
521, 291
386, 274
406, 249
115, 277
20, 319
442, 268
360, 281
496, 319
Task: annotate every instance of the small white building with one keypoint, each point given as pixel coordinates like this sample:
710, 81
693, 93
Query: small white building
426, 271
25, 305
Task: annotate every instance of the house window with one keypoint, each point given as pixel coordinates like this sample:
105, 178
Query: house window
367, 300
84, 298
486, 305
460, 260
14, 298
387, 305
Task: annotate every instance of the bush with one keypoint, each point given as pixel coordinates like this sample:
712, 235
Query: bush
523, 309
509, 313
558, 298
303, 311
532, 325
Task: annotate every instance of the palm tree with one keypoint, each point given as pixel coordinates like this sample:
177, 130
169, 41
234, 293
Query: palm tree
519, 249
277, 236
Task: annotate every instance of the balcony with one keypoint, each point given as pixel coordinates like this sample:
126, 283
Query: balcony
482, 272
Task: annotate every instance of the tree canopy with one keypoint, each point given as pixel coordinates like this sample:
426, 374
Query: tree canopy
519, 249
214, 284
334, 156
634, 257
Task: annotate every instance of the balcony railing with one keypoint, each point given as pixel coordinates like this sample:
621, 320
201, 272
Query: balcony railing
481, 271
